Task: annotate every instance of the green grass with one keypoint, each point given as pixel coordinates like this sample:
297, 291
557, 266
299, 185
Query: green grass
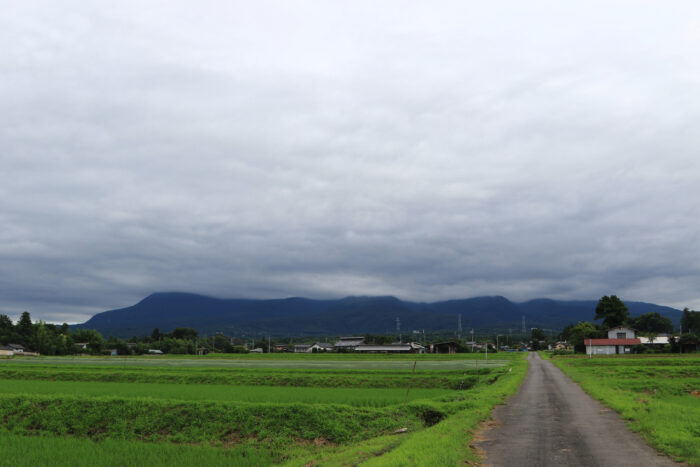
317, 410
659, 396
393, 378
288, 361
28, 451
197, 422
443, 444
187, 392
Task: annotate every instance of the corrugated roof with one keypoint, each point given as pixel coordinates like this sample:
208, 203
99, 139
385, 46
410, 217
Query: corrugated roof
656, 340
380, 348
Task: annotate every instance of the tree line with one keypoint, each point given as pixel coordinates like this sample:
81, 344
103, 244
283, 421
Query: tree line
53, 339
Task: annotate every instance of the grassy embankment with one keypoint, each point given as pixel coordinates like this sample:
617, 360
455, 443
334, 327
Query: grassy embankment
659, 396
205, 417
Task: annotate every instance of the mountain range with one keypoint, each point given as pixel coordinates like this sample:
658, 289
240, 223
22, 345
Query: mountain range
350, 315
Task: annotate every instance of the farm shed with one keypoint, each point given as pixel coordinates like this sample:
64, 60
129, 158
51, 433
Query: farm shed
689, 344
6, 352
302, 348
658, 340
349, 343
390, 348
610, 346
444, 347
16, 348
321, 347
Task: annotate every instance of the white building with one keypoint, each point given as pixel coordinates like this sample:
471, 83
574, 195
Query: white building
620, 341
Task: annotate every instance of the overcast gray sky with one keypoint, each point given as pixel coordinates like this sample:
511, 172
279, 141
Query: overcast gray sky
428, 150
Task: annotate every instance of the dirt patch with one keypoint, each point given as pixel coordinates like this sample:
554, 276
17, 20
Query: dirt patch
695, 393
480, 435
317, 442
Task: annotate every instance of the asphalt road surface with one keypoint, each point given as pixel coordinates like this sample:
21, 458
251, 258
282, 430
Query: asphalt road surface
552, 422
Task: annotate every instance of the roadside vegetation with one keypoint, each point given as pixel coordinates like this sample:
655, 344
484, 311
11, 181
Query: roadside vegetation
659, 396
57, 411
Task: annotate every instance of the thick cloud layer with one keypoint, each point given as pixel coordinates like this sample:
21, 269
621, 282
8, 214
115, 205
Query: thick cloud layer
321, 149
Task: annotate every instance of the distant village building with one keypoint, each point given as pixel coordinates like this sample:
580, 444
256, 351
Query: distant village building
155, 352
321, 347
561, 345
317, 347
6, 352
657, 340
620, 341
16, 348
348, 343
449, 347
283, 348
411, 347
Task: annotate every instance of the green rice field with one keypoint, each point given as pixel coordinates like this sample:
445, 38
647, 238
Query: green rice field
256, 410
658, 395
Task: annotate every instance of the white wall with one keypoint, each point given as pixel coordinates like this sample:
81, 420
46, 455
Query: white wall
629, 333
601, 349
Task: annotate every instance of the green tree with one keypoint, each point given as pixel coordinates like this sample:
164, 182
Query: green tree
612, 311
95, 341
5, 323
652, 323
690, 321
185, 333
577, 335
43, 341
25, 326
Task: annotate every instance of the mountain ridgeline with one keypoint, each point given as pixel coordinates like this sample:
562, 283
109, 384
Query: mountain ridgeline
350, 315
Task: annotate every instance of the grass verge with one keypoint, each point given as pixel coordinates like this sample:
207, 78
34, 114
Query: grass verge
658, 397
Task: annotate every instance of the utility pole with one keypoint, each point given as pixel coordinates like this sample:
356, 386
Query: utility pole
472, 340
398, 328
459, 327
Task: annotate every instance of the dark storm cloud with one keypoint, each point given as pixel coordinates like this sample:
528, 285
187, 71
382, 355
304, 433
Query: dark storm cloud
301, 148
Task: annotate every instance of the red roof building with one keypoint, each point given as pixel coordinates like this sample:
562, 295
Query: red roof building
612, 341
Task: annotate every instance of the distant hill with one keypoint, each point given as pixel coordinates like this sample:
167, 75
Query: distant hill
350, 315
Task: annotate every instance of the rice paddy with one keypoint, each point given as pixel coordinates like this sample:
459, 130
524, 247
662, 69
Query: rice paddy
294, 410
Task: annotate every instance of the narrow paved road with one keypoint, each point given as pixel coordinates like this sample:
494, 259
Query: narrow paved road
552, 422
